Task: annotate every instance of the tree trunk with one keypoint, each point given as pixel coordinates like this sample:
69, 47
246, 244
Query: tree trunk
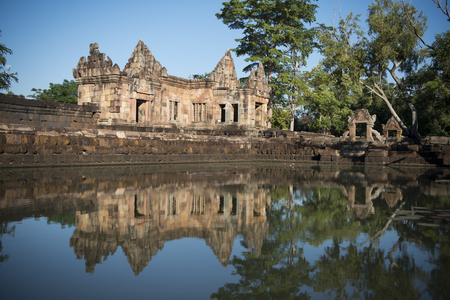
292, 117
270, 103
294, 91
413, 130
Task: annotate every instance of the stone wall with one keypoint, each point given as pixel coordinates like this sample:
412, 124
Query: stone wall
16, 110
65, 146
36, 133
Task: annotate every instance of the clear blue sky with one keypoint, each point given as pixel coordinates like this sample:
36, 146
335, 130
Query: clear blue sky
48, 37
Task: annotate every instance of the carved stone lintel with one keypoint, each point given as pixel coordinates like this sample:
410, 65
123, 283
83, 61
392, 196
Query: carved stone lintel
362, 116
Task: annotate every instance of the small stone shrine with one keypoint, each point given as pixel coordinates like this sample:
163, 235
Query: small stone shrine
144, 94
392, 125
361, 116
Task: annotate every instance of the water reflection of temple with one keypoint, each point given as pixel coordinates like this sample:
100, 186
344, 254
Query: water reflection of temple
140, 208
140, 221
362, 192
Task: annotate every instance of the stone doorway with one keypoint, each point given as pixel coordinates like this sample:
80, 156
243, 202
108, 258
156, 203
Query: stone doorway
361, 130
361, 116
140, 111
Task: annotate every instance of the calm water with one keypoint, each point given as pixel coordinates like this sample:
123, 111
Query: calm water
224, 231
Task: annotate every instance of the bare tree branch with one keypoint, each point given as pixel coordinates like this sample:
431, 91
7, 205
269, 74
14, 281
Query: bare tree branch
442, 8
379, 234
407, 97
414, 27
378, 90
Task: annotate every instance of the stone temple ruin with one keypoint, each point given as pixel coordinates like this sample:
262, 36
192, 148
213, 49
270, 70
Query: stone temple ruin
362, 116
392, 126
144, 94
143, 115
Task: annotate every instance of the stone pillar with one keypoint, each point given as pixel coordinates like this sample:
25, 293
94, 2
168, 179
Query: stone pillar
352, 132
228, 113
369, 136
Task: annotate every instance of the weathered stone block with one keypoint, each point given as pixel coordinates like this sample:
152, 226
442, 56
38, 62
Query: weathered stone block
377, 153
13, 139
439, 140
446, 158
375, 159
14, 149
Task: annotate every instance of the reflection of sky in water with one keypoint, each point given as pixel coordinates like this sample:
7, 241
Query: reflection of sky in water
311, 253
41, 265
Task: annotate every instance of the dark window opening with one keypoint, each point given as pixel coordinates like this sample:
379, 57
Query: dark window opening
235, 112
233, 206
172, 206
392, 133
198, 205
221, 205
222, 113
137, 214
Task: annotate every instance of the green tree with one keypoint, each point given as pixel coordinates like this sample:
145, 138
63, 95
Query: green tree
432, 86
61, 92
275, 34
6, 77
393, 48
333, 86
389, 64
281, 117
329, 109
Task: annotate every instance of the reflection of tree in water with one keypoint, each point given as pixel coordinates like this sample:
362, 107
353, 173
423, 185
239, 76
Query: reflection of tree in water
349, 268
275, 274
5, 230
427, 237
65, 219
312, 209
363, 273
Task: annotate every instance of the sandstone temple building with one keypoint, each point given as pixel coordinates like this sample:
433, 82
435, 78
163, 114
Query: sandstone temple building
144, 94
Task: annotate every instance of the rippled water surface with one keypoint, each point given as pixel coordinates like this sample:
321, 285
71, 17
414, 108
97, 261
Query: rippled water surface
225, 231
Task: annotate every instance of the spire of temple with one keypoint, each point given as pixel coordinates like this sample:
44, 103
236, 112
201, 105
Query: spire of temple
142, 64
257, 81
95, 66
225, 73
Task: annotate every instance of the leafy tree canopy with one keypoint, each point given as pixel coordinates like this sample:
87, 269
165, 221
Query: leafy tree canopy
390, 63
6, 77
61, 92
275, 34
